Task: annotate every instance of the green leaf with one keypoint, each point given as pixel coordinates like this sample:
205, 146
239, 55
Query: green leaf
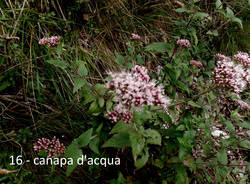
94, 145
74, 154
57, 63
4, 85
193, 104
100, 101
139, 59
88, 98
182, 86
222, 156
229, 126
182, 153
158, 47
245, 144
98, 130
230, 13
59, 49
214, 32
100, 88
201, 15
141, 117
181, 10
219, 4
118, 141
121, 127
129, 65
109, 104
237, 20
244, 124
82, 70
142, 161
181, 127
158, 163
120, 59
78, 84
165, 117
84, 138
93, 107
171, 73
195, 37
153, 137
137, 144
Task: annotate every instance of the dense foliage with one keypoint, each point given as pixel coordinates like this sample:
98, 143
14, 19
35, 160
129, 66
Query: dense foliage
124, 91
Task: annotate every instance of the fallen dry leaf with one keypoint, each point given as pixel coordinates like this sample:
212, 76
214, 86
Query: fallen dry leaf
5, 171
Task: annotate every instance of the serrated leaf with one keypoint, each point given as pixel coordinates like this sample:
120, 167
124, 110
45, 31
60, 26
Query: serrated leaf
229, 126
78, 84
165, 117
84, 138
82, 70
101, 101
139, 60
182, 153
230, 13
195, 37
181, 127
152, 136
137, 144
74, 154
181, 10
201, 15
244, 124
158, 47
237, 20
129, 65
109, 104
57, 63
98, 130
222, 156
121, 127
214, 33
182, 86
118, 141
93, 108
88, 98
245, 144
193, 104
94, 145
59, 49
100, 88
142, 161
120, 59
219, 4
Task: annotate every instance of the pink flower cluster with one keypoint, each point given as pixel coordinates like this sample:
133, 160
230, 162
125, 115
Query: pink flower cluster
243, 104
221, 57
120, 112
184, 43
247, 77
52, 41
243, 58
52, 147
227, 73
133, 89
135, 36
195, 63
